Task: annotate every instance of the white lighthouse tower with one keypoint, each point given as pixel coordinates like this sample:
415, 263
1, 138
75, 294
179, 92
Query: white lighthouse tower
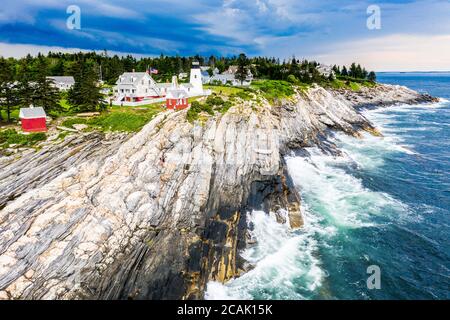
196, 79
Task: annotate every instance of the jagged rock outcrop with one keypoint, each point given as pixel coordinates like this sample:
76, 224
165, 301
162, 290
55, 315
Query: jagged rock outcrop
164, 212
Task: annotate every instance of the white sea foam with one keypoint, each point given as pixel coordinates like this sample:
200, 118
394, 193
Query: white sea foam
285, 264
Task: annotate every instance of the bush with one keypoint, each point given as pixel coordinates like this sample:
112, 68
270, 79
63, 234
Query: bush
197, 108
274, 89
292, 79
214, 100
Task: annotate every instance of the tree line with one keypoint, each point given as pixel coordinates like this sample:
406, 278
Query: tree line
355, 71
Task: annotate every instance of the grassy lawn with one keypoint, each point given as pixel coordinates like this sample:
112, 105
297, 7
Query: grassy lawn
123, 119
12, 137
225, 90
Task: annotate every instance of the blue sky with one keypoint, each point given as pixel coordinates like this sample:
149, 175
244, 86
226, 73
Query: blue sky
414, 35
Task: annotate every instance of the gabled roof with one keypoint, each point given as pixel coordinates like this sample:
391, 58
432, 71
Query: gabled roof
132, 78
223, 77
164, 85
176, 94
32, 113
231, 70
64, 79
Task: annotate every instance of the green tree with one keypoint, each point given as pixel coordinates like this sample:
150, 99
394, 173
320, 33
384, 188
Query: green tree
372, 76
353, 71
85, 95
344, 71
25, 80
242, 70
8, 90
45, 94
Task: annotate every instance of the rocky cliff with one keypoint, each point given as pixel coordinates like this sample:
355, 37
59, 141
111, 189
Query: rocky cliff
159, 214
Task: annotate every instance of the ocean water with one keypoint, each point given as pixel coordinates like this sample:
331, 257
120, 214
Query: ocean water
385, 202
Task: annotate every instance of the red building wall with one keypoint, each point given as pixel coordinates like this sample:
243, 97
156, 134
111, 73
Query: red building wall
177, 104
34, 125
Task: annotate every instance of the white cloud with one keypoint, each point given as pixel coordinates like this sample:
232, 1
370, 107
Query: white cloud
21, 50
394, 53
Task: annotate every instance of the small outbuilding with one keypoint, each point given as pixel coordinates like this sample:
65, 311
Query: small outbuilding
33, 119
177, 99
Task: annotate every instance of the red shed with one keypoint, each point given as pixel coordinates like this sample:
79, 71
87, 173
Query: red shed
33, 119
177, 99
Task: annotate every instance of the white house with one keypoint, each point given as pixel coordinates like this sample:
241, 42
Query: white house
326, 71
136, 86
140, 86
229, 77
62, 83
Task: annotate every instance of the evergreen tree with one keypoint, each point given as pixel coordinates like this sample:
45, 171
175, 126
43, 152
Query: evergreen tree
45, 94
242, 70
8, 90
344, 71
353, 71
85, 95
372, 76
364, 73
359, 72
25, 81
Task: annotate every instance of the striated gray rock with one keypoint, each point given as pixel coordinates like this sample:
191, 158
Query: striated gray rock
159, 215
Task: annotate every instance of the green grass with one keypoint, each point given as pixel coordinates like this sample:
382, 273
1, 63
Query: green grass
274, 89
124, 119
14, 115
225, 90
349, 85
12, 137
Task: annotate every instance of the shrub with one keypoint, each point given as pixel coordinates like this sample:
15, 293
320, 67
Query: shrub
274, 89
292, 79
197, 108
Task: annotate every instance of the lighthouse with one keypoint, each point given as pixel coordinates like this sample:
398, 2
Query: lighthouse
196, 79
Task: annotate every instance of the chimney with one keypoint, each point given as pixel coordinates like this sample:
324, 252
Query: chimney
175, 81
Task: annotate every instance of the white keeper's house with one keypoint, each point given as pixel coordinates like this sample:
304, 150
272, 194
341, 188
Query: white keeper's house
136, 86
140, 86
62, 83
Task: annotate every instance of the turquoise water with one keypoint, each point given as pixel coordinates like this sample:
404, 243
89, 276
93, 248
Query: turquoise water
386, 202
